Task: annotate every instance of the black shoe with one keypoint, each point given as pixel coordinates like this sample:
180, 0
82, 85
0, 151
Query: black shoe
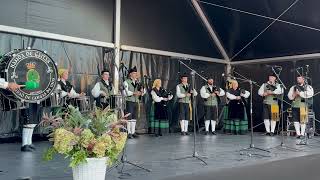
267, 134
214, 133
299, 137
182, 133
135, 135
32, 147
130, 136
271, 134
187, 133
160, 134
26, 148
206, 133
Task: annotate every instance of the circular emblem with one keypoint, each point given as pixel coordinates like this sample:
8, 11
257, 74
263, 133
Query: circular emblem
36, 71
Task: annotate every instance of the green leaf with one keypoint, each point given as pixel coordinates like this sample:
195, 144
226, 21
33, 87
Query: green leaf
49, 153
78, 158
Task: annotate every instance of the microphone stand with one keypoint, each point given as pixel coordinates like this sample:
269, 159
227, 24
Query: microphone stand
123, 160
282, 145
251, 147
195, 154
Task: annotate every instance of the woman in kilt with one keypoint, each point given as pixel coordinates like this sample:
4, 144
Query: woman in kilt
235, 116
159, 122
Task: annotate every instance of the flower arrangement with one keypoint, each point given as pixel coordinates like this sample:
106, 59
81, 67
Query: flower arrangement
78, 136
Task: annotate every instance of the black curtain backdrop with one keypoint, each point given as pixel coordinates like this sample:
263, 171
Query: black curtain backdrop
259, 73
169, 69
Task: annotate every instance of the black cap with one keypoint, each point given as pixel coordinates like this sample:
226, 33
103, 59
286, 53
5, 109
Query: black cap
299, 75
134, 69
105, 70
209, 77
273, 74
183, 75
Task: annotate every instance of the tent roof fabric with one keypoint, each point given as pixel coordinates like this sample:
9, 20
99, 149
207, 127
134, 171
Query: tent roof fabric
247, 30
237, 23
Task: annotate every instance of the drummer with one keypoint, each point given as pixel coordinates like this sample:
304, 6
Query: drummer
102, 90
65, 87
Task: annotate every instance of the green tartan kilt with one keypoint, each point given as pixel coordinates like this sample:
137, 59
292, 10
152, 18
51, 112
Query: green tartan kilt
157, 126
234, 126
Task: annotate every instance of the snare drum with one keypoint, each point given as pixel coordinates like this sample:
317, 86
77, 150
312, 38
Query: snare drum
83, 103
30, 67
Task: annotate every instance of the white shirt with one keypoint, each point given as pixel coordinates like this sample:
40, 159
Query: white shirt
3, 83
157, 98
73, 93
205, 95
130, 93
277, 91
96, 91
304, 94
180, 95
233, 97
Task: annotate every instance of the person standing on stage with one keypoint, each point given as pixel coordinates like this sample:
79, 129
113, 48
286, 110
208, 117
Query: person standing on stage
184, 93
65, 87
102, 90
133, 91
270, 91
211, 93
29, 122
237, 120
159, 113
300, 94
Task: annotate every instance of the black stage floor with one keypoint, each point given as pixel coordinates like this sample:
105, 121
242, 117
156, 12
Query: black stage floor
157, 153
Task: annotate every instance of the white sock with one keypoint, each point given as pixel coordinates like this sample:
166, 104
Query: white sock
30, 133
267, 125
273, 126
182, 125
297, 128
25, 136
129, 127
303, 129
207, 124
133, 127
213, 125
186, 123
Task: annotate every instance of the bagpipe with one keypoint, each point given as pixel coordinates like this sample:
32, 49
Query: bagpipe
299, 88
308, 101
271, 87
165, 94
243, 100
214, 90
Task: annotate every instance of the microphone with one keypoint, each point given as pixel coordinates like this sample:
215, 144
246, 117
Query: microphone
226, 75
